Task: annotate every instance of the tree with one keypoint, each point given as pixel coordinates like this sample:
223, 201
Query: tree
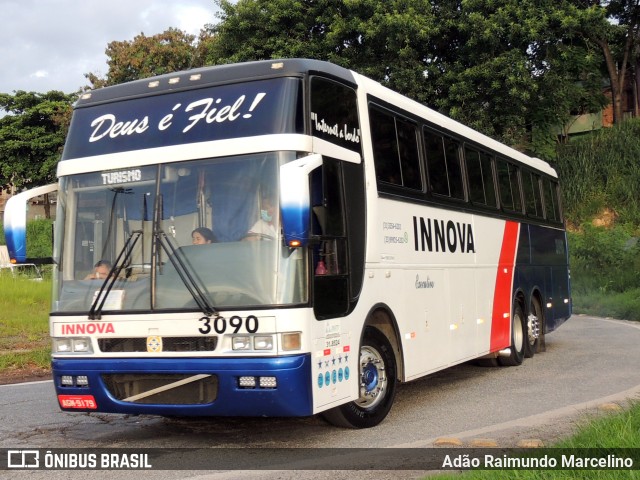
497, 66
32, 137
251, 30
613, 25
519, 65
143, 57
388, 41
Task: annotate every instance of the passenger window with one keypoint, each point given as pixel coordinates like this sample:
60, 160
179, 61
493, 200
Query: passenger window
437, 165
395, 150
552, 206
531, 186
481, 186
409, 157
385, 157
510, 197
443, 163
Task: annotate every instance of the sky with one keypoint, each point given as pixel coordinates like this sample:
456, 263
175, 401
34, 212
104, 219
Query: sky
50, 44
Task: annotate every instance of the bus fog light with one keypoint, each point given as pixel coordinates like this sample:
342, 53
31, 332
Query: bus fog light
247, 382
241, 343
291, 341
263, 342
66, 380
82, 381
268, 382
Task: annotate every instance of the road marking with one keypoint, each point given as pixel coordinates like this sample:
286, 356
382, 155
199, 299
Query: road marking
26, 383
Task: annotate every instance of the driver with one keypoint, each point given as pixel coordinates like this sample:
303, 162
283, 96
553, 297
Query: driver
100, 270
264, 227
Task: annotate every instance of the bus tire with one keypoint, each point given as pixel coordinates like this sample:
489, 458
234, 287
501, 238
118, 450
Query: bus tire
518, 340
377, 377
534, 327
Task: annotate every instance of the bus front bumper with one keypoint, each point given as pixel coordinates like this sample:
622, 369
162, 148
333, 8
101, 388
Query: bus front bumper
278, 386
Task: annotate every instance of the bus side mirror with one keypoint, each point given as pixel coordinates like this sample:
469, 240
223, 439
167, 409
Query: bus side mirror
295, 201
15, 221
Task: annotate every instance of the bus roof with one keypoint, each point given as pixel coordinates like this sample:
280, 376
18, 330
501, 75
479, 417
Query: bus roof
219, 74
448, 125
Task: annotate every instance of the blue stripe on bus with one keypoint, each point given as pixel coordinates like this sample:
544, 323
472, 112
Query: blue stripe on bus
292, 397
295, 221
15, 237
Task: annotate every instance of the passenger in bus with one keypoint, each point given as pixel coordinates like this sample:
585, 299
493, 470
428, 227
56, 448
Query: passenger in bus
264, 228
202, 236
100, 270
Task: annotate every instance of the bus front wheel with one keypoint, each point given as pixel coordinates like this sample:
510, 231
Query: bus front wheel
377, 377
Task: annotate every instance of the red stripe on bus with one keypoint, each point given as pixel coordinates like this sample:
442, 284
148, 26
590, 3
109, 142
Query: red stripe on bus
501, 322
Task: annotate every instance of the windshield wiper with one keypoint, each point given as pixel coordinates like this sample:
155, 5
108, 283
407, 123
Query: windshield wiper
95, 312
184, 270
186, 273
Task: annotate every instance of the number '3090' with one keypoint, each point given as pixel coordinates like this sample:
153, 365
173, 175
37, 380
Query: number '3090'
220, 324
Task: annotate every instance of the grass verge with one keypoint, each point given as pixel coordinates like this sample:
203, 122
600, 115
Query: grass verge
624, 305
621, 430
24, 322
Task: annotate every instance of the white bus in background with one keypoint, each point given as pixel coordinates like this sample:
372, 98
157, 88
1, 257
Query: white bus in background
358, 240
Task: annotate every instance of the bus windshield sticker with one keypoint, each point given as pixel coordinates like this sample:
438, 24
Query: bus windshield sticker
110, 126
343, 132
114, 300
214, 113
124, 176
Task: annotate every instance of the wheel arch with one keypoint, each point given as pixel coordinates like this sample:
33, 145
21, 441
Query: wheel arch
536, 295
381, 317
520, 298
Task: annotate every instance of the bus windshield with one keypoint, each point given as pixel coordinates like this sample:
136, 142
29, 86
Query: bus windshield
176, 236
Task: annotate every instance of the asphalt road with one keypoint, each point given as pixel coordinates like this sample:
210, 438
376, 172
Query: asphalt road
589, 361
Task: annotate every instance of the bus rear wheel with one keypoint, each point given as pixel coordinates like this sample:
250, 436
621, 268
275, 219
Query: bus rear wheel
518, 339
534, 323
377, 377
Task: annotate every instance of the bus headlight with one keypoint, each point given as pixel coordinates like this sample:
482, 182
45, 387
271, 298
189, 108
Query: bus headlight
291, 341
72, 345
241, 343
62, 345
263, 342
81, 344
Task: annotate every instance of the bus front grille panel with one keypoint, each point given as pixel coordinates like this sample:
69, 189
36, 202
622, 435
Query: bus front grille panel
169, 344
162, 389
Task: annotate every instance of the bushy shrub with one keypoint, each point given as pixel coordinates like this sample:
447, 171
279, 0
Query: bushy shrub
604, 259
39, 238
602, 170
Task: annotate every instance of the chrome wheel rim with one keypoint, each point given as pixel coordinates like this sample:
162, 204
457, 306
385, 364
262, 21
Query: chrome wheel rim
373, 377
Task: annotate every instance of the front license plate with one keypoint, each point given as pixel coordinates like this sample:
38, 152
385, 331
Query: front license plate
77, 401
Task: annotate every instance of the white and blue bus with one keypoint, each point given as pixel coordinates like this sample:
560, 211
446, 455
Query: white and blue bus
348, 239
